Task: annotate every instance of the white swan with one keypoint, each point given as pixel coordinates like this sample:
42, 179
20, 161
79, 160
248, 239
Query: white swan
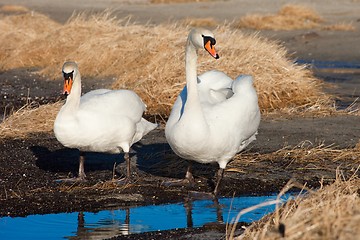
100, 121
214, 117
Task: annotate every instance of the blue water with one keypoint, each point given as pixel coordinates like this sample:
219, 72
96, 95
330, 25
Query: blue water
109, 223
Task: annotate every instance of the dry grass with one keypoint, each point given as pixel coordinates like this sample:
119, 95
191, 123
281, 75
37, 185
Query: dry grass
289, 17
13, 8
30, 119
340, 27
107, 185
306, 152
21, 31
150, 60
332, 212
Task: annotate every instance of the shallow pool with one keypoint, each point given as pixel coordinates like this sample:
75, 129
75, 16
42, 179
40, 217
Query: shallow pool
109, 223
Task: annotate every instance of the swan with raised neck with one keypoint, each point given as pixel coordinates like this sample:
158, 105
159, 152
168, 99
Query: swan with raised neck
214, 117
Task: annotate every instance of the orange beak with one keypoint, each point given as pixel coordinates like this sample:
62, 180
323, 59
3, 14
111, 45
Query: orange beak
211, 49
67, 86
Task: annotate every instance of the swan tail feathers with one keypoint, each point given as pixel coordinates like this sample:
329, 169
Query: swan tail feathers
148, 126
246, 142
142, 128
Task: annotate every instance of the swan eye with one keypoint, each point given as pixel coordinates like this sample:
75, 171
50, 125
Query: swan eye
68, 75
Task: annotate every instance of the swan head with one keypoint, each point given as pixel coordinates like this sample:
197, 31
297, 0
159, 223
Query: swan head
203, 38
69, 71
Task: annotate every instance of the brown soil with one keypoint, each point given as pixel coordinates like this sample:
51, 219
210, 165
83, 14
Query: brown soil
29, 167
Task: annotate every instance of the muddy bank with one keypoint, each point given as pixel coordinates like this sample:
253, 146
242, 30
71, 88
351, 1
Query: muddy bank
31, 167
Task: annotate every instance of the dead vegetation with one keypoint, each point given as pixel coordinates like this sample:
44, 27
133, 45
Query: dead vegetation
339, 27
290, 17
332, 212
13, 9
150, 59
30, 120
21, 31
306, 156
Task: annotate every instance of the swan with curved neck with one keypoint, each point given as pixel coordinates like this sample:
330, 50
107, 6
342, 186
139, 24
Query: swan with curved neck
101, 120
214, 117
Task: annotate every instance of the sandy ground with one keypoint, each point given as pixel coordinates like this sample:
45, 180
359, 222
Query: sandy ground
30, 166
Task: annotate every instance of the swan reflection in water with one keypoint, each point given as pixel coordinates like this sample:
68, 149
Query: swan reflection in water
105, 228
171, 216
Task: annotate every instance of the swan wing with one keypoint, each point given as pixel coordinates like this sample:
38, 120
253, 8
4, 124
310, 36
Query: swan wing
116, 102
237, 118
93, 93
214, 87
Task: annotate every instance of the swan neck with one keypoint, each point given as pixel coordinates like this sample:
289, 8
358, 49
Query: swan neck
191, 72
73, 99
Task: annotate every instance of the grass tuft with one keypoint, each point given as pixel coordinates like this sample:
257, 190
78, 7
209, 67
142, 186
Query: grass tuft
289, 17
332, 212
340, 27
30, 119
13, 9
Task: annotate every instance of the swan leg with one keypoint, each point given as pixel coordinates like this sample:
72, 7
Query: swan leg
220, 174
210, 195
81, 176
189, 176
128, 167
188, 180
127, 179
